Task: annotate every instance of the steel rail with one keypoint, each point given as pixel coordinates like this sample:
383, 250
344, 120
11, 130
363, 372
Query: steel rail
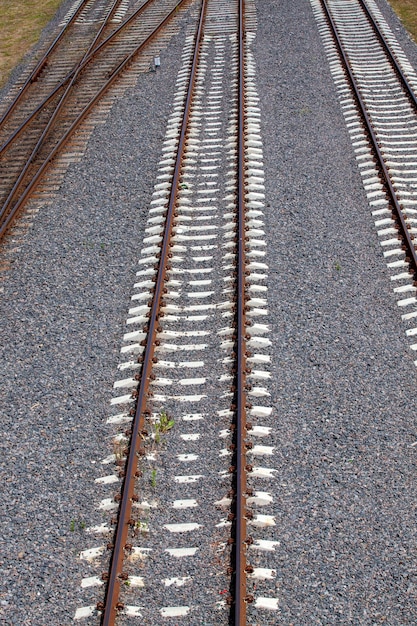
9, 217
124, 521
55, 114
78, 67
239, 549
33, 76
406, 85
411, 254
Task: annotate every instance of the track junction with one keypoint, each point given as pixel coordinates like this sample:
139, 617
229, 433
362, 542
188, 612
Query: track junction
190, 526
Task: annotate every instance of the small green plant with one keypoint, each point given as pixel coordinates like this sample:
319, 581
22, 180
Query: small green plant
338, 266
183, 186
162, 425
141, 527
153, 479
165, 422
77, 523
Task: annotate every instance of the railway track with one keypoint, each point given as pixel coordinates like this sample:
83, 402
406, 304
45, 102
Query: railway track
182, 230
189, 530
377, 87
65, 86
201, 293
65, 52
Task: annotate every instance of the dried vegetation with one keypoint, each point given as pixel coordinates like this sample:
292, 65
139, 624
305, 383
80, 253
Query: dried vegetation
407, 12
21, 22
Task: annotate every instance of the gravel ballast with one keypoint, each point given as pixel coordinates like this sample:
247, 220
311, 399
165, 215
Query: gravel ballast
63, 315
343, 378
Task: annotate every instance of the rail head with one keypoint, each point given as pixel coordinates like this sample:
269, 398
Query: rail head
8, 213
35, 73
411, 253
239, 597
111, 605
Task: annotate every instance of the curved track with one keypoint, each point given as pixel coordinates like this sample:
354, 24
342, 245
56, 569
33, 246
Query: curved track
33, 137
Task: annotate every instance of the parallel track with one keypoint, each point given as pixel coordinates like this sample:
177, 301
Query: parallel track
377, 88
125, 523
399, 216
242, 330
37, 135
117, 574
241, 568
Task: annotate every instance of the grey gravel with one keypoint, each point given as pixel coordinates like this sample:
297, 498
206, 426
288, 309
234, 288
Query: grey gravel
63, 316
45, 39
343, 375
344, 379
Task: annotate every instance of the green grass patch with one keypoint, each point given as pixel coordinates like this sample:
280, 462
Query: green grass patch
407, 12
21, 23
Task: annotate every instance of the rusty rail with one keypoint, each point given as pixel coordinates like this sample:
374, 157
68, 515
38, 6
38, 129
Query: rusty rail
89, 56
7, 213
111, 604
411, 254
33, 76
239, 565
56, 112
391, 57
